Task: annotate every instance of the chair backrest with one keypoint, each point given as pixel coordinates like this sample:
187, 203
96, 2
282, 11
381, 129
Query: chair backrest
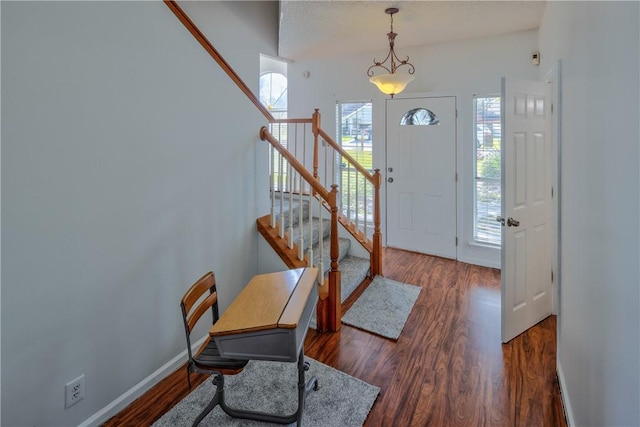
193, 304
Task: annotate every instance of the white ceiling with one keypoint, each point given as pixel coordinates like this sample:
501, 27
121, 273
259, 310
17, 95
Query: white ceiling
320, 28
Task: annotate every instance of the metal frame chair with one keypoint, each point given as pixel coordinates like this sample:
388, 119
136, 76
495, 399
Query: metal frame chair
207, 358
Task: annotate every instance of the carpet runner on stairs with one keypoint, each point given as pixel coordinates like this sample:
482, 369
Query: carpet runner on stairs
354, 269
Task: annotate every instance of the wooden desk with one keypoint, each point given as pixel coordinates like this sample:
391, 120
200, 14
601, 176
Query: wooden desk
269, 319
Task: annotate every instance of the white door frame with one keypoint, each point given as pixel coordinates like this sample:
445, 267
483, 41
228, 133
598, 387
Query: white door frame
468, 251
554, 77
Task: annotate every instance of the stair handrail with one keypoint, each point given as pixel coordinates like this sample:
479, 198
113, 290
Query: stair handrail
195, 31
265, 135
370, 177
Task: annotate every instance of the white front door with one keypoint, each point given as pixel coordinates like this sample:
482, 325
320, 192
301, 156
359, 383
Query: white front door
526, 205
421, 175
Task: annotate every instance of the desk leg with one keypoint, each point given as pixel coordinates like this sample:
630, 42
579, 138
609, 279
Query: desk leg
304, 388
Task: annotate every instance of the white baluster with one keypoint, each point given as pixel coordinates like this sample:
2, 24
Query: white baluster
326, 159
338, 178
310, 248
304, 150
289, 176
357, 202
320, 237
295, 154
301, 243
365, 206
348, 191
272, 154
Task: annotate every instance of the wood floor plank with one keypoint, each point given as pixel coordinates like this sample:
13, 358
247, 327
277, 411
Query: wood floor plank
448, 367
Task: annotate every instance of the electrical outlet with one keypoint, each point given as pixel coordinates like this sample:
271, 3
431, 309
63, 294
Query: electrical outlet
74, 391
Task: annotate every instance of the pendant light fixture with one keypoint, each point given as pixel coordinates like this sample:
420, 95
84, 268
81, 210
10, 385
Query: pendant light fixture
391, 82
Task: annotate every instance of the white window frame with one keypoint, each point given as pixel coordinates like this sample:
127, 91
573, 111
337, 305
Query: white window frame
484, 139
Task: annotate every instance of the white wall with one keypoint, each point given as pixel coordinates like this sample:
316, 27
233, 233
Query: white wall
125, 152
461, 69
599, 325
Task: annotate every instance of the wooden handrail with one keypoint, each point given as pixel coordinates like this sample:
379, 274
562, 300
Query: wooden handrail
195, 31
292, 121
375, 180
346, 155
317, 187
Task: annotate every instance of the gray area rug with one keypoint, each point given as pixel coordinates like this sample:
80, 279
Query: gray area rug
341, 401
383, 308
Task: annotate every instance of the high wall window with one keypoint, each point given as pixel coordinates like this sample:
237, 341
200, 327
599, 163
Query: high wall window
273, 95
487, 165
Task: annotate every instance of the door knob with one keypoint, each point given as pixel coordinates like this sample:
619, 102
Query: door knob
512, 222
389, 179
500, 220
390, 169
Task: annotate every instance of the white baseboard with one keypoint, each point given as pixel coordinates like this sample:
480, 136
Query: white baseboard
565, 396
479, 261
139, 389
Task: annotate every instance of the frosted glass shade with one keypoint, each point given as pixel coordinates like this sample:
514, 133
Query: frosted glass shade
391, 84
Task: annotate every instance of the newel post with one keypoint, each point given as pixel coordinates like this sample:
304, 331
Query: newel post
376, 254
315, 127
335, 279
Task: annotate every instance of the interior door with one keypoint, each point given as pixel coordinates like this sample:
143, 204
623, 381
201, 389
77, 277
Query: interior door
526, 205
421, 175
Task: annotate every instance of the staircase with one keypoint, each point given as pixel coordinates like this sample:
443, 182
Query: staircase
354, 269
306, 183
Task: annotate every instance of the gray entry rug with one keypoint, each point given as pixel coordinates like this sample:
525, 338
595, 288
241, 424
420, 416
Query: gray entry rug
341, 401
383, 308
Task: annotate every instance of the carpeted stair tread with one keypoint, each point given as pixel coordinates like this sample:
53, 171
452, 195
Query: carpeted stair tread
294, 210
315, 224
353, 271
343, 249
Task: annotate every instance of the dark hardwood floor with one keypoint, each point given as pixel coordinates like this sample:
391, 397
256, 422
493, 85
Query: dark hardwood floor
448, 368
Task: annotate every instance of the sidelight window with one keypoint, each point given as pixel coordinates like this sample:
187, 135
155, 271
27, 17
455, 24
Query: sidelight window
354, 123
487, 169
